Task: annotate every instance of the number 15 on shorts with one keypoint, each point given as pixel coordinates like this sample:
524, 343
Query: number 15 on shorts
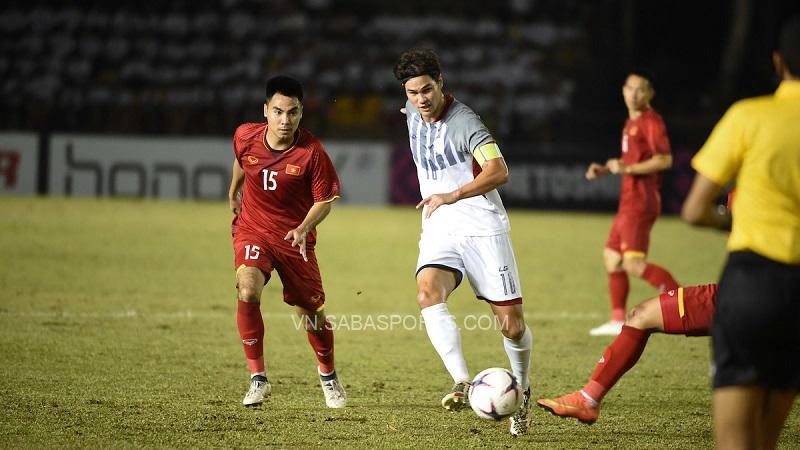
251, 252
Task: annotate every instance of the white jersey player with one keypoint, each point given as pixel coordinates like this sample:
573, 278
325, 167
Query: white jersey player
464, 224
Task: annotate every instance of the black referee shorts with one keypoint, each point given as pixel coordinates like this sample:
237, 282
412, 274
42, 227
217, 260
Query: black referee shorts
755, 334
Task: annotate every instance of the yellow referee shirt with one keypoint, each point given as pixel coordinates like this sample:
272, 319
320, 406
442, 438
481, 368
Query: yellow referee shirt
757, 142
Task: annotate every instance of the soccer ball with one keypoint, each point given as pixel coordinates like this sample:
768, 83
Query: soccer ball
495, 394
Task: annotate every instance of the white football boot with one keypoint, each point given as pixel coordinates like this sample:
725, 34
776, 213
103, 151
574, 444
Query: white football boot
335, 396
610, 328
258, 392
518, 422
458, 397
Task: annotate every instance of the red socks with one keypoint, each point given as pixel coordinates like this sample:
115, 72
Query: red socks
322, 343
622, 354
659, 278
251, 330
618, 289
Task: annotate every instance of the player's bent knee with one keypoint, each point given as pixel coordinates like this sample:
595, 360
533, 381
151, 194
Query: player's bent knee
512, 328
613, 266
249, 294
612, 260
635, 318
514, 334
634, 266
429, 294
426, 298
643, 316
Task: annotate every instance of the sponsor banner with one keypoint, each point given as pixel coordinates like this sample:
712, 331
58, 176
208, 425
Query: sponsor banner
188, 168
553, 178
534, 182
126, 166
19, 159
558, 185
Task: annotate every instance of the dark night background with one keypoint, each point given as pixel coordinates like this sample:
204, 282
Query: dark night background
545, 75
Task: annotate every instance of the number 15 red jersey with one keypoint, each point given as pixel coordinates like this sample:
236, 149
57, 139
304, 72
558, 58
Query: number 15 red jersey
281, 186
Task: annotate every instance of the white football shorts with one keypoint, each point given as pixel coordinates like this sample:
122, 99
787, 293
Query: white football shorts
487, 261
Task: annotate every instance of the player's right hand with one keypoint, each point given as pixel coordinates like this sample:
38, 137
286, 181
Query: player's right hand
298, 238
235, 204
430, 204
595, 170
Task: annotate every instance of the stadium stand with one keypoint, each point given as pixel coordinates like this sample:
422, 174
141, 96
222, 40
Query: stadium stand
188, 68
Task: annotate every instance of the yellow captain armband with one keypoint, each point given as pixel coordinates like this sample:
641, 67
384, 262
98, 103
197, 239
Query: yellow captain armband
486, 152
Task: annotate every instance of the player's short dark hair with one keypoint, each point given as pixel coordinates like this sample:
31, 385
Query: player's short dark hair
645, 73
789, 44
284, 85
416, 62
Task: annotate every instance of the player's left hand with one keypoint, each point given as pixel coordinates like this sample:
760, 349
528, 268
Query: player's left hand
235, 203
435, 201
615, 166
298, 238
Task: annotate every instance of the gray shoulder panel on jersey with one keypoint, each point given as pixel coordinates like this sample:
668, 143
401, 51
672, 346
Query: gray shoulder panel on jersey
465, 128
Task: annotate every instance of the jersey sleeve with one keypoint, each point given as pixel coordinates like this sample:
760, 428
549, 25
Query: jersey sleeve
658, 138
238, 148
324, 180
476, 132
721, 156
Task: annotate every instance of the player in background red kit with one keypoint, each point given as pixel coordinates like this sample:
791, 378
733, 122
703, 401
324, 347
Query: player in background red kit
685, 311
645, 154
282, 188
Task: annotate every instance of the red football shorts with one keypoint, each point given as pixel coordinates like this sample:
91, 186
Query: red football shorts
302, 282
689, 310
630, 233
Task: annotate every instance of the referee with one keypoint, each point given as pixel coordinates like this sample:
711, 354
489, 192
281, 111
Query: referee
756, 327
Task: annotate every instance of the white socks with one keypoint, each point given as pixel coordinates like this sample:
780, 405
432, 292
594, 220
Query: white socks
446, 339
519, 355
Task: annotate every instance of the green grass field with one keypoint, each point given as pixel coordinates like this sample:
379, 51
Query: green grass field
117, 329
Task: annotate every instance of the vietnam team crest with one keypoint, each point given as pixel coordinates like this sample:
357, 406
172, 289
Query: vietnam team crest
292, 170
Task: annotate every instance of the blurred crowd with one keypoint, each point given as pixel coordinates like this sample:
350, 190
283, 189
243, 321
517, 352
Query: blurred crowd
183, 67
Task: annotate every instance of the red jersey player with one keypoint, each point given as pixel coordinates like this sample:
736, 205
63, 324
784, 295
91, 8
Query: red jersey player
645, 153
685, 311
287, 186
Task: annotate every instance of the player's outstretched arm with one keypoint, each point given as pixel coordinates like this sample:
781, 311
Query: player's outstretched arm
596, 170
315, 215
655, 164
234, 200
494, 173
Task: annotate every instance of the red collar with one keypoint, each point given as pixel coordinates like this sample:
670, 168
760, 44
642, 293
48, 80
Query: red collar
448, 100
266, 144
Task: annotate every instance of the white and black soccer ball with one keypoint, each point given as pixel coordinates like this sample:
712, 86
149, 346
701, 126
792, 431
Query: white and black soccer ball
495, 394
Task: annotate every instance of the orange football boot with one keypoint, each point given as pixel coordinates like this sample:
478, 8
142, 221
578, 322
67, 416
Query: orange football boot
573, 405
